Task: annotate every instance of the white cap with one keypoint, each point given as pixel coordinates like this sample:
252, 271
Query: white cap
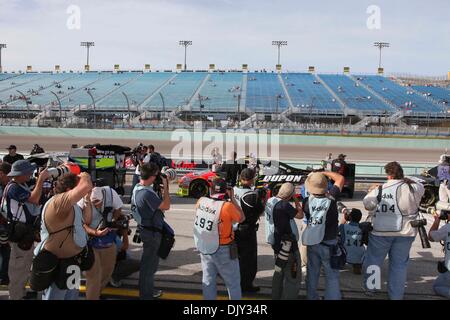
97, 194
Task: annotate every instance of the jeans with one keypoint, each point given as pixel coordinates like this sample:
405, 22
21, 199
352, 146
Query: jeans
284, 285
135, 181
221, 263
441, 285
5, 252
319, 256
398, 249
149, 263
55, 293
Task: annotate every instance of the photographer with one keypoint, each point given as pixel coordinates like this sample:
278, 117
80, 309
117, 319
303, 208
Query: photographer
282, 234
154, 157
139, 154
147, 209
232, 169
441, 285
63, 238
105, 206
252, 205
5, 249
20, 206
392, 207
321, 233
339, 165
214, 238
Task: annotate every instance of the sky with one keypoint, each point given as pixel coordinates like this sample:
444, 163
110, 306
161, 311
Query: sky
327, 34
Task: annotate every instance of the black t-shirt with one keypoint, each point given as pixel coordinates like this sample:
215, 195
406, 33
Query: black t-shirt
11, 159
232, 170
283, 212
331, 226
252, 205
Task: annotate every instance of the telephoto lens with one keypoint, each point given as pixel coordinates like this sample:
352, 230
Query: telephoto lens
283, 255
170, 173
137, 237
420, 225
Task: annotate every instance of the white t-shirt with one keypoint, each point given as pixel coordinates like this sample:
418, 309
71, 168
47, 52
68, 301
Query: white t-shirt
407, 201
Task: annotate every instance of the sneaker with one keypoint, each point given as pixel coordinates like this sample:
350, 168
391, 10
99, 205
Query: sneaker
115, 284
157, 294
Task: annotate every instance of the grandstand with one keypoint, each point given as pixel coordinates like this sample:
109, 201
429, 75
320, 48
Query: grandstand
89, 98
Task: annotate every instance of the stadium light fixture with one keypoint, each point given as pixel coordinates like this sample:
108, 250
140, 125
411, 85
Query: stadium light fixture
2, 46
185, 44
381, 45
279, 43
87, 44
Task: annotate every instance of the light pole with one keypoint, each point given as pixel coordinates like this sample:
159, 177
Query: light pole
278, 96
381, 45
185, 44
87, 45
93, 105
2, 46
164, 108
60, 107
279, 43
129, 110
27, 105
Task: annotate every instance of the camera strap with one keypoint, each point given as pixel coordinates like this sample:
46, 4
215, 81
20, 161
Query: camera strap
380, 191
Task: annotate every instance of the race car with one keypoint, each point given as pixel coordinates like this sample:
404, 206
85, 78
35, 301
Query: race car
271, 175
429, 179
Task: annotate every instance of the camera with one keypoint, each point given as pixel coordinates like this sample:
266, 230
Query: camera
420, 225
441, 267
167, 173
137, 236
365, 227
283, 255
442, 216
122, 223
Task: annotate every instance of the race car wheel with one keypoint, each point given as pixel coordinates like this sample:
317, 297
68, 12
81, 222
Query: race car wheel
198, 189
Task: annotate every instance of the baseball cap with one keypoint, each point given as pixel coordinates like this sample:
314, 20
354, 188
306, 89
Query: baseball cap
11, 147
97, 194
286, 191
316, 183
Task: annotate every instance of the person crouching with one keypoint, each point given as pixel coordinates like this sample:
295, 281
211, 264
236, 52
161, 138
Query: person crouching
106, 206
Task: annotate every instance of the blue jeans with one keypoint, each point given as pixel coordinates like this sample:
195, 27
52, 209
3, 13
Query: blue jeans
319, 255
220, 263
55, 293
136, 178
398, 249
441, 285
149, 263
